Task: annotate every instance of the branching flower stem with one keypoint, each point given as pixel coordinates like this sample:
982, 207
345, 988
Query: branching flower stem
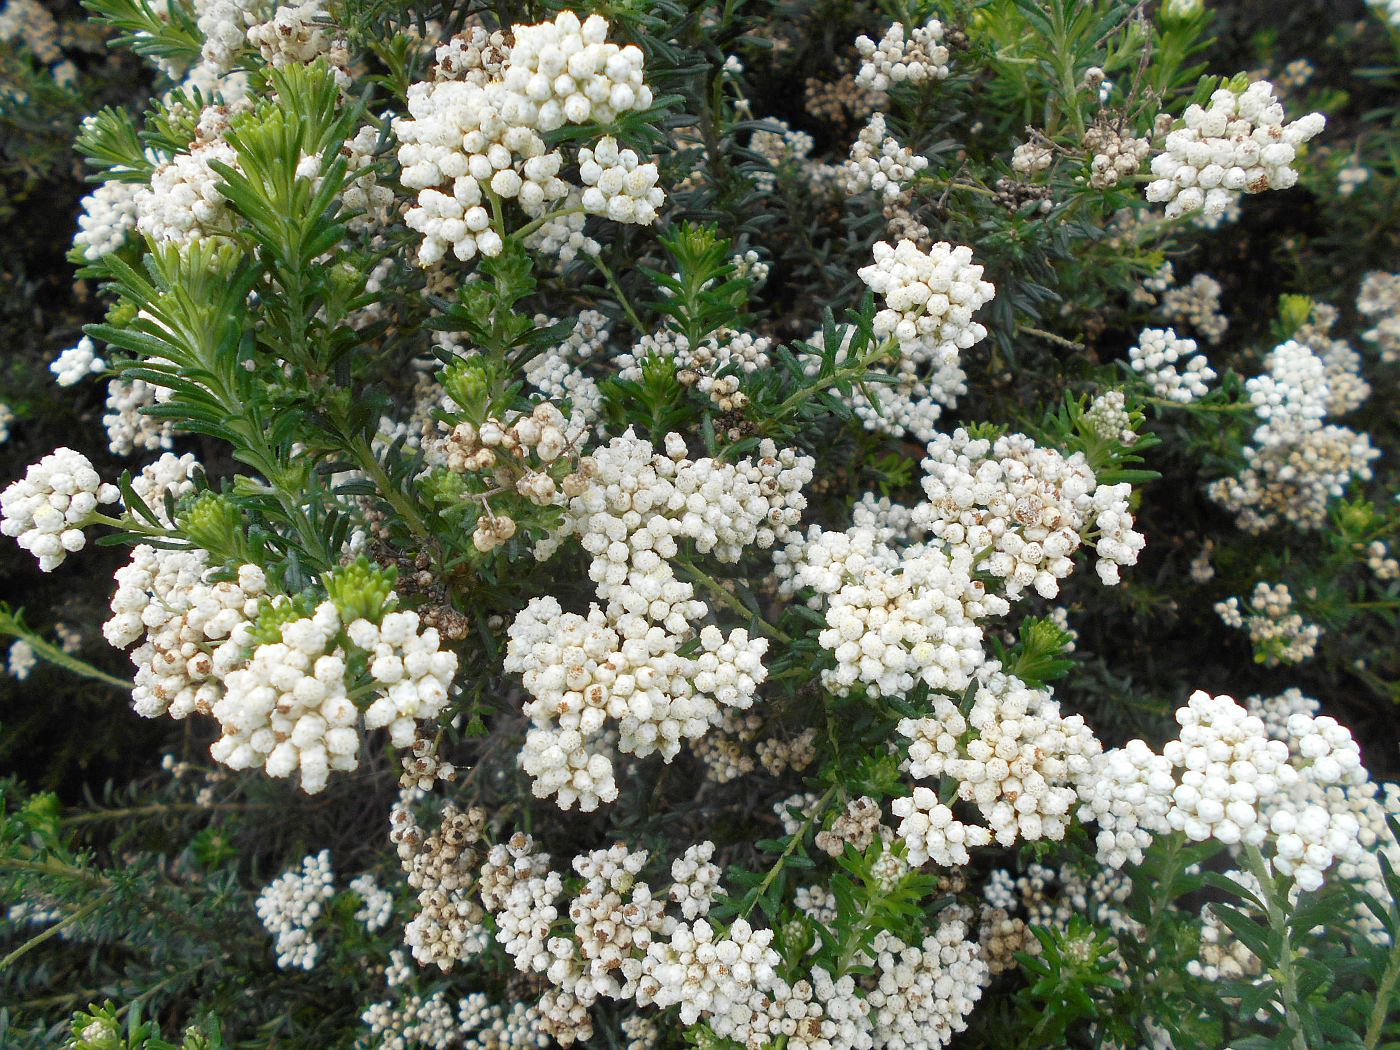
796, 840
1276, 909
722, 593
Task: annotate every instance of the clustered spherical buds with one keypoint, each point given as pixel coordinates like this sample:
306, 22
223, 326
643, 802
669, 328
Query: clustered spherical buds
287, 710
365, 198
1239, 143
926, 991
1117, 154
1128, 797
1379, 560
183, 202
1294, 479
411, 670
1021, 763
524, 453
107, 219
1032, 506
1155, 357
169, 479
714, 367
879, 164
1108, 417
618, 185
1379, 302
290, 905
77, 363
1227, 765
465, 139
295, 34
442, 867
192, 632
376, 903
1223, 956
1195, 306
929, 298
894, 620
130, 429
915, 57
1279, 634
931, 832
1031, 158
913, 399
46, 510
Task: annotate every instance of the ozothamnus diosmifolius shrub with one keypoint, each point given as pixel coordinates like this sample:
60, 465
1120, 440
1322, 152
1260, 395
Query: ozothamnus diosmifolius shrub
793, 525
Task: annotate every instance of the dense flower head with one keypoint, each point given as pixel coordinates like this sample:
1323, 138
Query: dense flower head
929, 298
1031, 505
45, 511
1238, 143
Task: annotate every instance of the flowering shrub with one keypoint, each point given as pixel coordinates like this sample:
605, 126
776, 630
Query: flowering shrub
606, 495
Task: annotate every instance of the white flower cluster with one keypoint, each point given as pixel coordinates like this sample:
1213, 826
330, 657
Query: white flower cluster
1155, 357
465, 138
1032, 506
582, 671
557, 373
1347, 388
170, 476
290, 905
1379, 302
183, 203
929, 298
288, 710
1226, 765
192, 631
21, 659
893, 618
442, 868
714, 367
789, 151
1195, 305
1278, 633
46, 510
912, 403
932, 833
365, 197
1223, 956
376, 904
926, 991
1239, 143
410, 669
1021, 763
295, 34
879, 164
914, 57
77, 363
618, 185
1296, 465
223, 24
1271, 772
622, 661
1128, 797
1108, 417
1117, 154
129, 429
